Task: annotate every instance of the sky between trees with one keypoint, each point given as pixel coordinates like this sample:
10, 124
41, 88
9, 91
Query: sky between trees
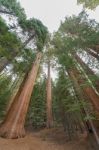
51, 12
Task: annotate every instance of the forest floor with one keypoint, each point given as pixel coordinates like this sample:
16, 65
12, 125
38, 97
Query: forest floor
46, 139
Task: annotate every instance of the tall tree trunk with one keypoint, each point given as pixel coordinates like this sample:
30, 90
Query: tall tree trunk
16, 94
84, 110
13, 125
87, 89
49, 122
89, 72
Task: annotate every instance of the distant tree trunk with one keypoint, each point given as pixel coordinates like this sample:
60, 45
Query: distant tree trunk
95, 48
49, 122
90, 125
92, 53
87, 89
89, 72
13, 125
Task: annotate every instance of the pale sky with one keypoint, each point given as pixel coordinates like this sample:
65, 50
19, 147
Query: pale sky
51, 12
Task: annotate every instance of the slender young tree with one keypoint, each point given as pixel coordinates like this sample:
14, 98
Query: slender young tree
49, 122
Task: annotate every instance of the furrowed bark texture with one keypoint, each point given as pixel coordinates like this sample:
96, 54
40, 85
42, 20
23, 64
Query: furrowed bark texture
13, 125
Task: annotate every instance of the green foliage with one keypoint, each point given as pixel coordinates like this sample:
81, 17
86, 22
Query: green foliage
83, 32
75, 33
4, 93
90, 117
13, 50
91, 4
37, 110
3, 26
24, 61
64, 98
14, 7
9, 42
35, 27
11, 45
6, 44
63, 48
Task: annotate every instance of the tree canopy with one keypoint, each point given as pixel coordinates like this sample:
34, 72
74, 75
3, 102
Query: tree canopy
72, 52
91, 4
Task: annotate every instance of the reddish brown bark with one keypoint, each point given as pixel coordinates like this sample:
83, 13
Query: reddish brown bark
88, 71
14, 98
90, 124
87, 89
49, 122
13, 125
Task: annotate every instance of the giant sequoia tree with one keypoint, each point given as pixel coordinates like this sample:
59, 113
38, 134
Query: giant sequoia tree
75, 49
31, 30
13, 124
74, 41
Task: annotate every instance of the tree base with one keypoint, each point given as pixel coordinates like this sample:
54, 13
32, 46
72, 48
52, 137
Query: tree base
5, 132
49, 125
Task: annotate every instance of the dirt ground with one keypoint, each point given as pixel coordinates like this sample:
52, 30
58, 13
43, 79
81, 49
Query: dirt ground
46, 139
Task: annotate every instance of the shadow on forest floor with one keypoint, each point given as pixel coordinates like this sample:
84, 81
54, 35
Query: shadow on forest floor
46, 139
